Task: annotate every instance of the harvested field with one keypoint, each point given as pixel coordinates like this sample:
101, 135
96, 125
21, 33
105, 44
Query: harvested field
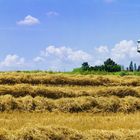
68, 79
67, 106
17, 125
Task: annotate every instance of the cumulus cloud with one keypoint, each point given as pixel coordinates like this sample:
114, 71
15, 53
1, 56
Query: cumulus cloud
66, 53
102, 49
52, 13
124, 49
38, 59
65, 58
122, 52
62, 57
12, 61
68, 58
28, 20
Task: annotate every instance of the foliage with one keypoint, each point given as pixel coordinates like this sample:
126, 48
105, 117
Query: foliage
109, 66
131, 68
123, 73
85, 66
135, 67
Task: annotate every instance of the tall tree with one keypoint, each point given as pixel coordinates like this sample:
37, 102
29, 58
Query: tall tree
109, 61
131, 68
135, 67
111, 66
138, 68
85, 66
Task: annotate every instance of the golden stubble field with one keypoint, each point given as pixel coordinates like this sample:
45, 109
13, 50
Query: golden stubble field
69, 107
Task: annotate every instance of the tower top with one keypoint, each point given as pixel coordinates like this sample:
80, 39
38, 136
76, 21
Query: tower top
138, 46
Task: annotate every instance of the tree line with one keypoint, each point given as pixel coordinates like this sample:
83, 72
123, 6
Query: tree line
109, 66
133, 67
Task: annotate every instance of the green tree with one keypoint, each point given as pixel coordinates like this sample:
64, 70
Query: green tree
111, 66
135, 67
131, 68
138, 68
110, 62
85, 66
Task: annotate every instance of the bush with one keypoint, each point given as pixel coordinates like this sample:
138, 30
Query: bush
123, 73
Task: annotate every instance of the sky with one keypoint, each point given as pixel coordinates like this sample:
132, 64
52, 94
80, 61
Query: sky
62, 34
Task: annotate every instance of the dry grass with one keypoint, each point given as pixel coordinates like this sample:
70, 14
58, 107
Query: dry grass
64, 133
42, 133
67, 79
38, 106
80, 104
63, 126
79, 121
56, 92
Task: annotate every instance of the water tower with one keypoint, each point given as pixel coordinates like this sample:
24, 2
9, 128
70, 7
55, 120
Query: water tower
138, 46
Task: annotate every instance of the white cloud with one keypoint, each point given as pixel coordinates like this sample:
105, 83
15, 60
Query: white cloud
124, 49
102, 49
66, 53
28, 20
78, 56
98, 62
62, 58
38, 59
65, 58
122, 52
12, 61
52, 13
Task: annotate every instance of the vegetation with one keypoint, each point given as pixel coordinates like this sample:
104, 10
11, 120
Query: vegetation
108, 66
68, 79
72, 105
57, 92
62, 133
43, 105
17, 125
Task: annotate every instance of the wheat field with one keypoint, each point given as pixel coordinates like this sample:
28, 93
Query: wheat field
58, 106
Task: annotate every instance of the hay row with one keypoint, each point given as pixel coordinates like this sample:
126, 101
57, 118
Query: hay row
80, 104
56, 79
56, 92
63, 133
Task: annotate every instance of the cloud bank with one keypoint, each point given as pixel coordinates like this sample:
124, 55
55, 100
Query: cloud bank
12, 62
65, 58
62, 58
122, 52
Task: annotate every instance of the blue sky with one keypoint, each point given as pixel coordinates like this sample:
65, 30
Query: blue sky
60, 35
